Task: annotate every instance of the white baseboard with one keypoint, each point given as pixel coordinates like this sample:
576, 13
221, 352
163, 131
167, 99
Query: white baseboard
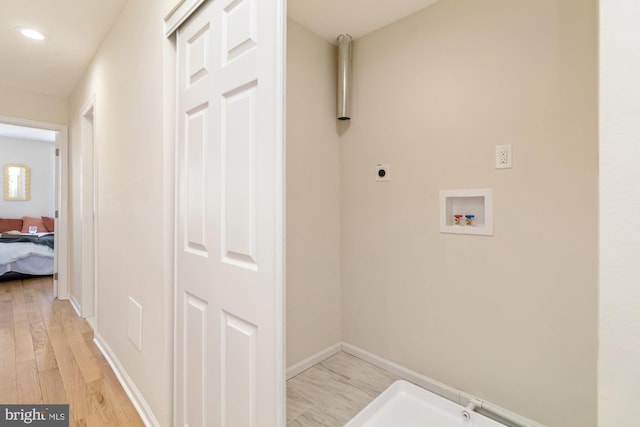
423, 381
404, 373
448, 392
141, 405
92, 322
75, 305
312, 360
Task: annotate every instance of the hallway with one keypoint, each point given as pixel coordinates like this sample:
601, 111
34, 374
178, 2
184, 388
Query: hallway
47, 355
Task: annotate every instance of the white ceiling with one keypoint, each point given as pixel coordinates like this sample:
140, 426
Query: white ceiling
75, 29
330, 18
32, 134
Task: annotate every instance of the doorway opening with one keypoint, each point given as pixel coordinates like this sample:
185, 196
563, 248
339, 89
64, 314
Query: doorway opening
88, 306
57, 135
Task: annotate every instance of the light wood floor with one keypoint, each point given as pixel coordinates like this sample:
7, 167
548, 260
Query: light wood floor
333, 391
47, 355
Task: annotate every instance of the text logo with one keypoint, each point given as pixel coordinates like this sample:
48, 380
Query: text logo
34, 415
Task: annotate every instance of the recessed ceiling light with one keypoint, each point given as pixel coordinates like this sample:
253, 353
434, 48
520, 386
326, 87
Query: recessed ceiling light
31, 33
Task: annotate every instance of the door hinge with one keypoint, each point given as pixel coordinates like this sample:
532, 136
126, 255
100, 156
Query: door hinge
55, 214
57, 152
55, 276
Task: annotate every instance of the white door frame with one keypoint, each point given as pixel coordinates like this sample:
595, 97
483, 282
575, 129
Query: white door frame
180, 13
61, 285
88, 213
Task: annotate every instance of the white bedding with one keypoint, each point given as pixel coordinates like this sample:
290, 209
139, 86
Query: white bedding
35, 265
26, 258
11, 252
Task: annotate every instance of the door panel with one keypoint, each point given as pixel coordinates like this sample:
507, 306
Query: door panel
195, 359
240, 382
239, 174
230, 191
240, 27
195, 174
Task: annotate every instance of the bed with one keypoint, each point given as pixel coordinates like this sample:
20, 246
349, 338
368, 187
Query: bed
24, 254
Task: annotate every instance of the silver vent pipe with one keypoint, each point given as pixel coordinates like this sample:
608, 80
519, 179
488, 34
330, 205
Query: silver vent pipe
343, 98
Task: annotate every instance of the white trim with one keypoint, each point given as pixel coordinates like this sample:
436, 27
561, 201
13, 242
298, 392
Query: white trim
169, 147
281, 203
92, 321
313, 360
62, 223
180, 14
89, 232
443, 390
61, 286
136, 397
405, 373
174, 252
75, 305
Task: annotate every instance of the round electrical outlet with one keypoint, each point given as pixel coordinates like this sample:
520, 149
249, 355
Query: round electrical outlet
383, 172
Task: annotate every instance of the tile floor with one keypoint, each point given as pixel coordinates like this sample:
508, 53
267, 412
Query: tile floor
333, 391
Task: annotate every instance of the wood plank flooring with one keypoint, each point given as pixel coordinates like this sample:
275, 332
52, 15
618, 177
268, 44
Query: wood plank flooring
47, 355
333, 391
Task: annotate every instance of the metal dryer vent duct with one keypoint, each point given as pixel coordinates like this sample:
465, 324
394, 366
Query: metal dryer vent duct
343, 98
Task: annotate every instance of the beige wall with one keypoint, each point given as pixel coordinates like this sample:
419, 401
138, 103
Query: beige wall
313, 196
25, 104
510, 318
134, 174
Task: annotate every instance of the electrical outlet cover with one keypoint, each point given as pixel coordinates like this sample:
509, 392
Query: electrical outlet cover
503, 156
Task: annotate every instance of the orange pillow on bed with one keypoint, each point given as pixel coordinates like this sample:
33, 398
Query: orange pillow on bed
28, 221
49, 223
9, 224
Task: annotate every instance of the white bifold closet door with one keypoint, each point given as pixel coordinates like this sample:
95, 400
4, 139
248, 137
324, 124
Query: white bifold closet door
229, 363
